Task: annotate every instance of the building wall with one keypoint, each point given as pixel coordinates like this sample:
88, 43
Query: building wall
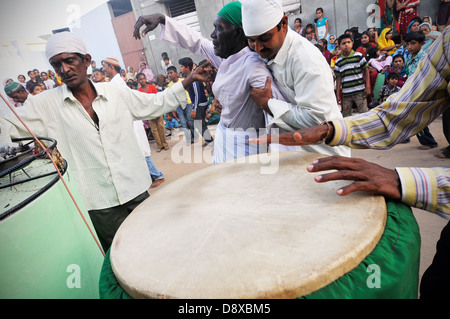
132, 50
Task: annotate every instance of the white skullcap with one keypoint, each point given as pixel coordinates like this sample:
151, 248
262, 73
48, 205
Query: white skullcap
64, 42
259, 16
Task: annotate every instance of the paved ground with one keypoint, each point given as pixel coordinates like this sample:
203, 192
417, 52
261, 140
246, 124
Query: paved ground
169, 162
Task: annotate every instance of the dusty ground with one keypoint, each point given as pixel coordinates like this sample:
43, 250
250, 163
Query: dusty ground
400, 156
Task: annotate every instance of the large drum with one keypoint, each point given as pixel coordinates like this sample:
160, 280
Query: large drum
241, 230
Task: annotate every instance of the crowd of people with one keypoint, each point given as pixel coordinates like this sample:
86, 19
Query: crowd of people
371, 65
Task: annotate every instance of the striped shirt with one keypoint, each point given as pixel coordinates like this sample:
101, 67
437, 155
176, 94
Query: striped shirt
421, 100
106, 162
350, 70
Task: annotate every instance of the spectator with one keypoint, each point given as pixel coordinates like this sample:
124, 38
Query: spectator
385, 43
298, 26
380, 61
321, 24
414, 42
49, 83
390, 88
157, 124
352, 74
143, 68
326, 53
131, 74
430, 35
365, 44
407, 11
398, 66
16, 92
36, 88
31, 81
99, 76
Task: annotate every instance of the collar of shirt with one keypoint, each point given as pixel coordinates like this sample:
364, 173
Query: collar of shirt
282, 54
348, 56
67, 92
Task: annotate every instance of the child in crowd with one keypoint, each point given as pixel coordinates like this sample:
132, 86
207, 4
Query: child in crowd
321, 24
414, 42
171, 122
398, 66
311, 37
365, 44
331, 42
390, 88
326, 53
352, 75
298, 26
380, 61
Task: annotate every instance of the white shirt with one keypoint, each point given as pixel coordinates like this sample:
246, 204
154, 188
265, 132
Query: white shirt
139, 129
49, 84
303, 76
107, 163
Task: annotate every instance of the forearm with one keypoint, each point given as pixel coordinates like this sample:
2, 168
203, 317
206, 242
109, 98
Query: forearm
426, 188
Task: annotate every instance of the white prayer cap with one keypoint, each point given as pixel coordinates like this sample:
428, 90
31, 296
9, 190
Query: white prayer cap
64, 42
259, 16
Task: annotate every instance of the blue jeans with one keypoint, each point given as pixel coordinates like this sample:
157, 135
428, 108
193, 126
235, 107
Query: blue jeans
187, 122
154, 173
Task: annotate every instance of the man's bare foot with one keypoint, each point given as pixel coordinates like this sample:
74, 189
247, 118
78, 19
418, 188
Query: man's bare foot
426, 147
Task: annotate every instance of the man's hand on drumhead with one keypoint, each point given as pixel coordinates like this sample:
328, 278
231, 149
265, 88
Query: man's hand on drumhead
150, 21
368, 177
307, 136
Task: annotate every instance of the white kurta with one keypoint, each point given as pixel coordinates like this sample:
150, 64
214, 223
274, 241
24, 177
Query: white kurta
304, 78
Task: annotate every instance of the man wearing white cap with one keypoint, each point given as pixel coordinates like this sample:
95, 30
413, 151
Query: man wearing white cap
93, 124
301, 72
239, 69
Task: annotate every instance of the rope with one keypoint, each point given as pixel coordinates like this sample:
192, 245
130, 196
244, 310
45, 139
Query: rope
47, 151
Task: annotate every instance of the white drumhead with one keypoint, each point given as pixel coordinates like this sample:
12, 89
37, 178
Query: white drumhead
229, 231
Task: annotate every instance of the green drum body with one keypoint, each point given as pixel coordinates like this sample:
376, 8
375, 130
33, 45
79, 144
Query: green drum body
46, 249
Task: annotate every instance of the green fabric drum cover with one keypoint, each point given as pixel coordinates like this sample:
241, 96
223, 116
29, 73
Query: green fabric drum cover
46, 248
242, 251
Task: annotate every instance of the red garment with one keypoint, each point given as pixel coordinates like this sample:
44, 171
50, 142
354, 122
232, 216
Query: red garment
363, 50
151, 89
405, 16
327, 54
